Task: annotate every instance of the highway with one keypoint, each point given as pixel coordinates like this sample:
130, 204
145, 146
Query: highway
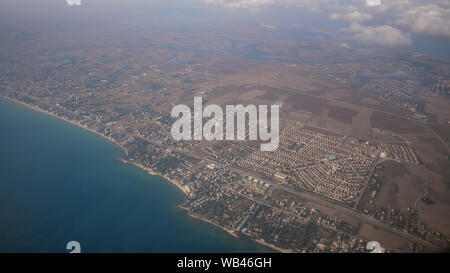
351, 212
359, 216
321, 201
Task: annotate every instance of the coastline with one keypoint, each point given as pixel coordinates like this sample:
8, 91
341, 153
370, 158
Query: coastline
187, 192
150, 171
260, 241
282, 250
37, 109
209, 222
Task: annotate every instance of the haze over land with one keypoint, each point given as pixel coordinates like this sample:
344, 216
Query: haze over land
365, 121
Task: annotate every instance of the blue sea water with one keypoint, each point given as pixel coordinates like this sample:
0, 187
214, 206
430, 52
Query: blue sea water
61, 183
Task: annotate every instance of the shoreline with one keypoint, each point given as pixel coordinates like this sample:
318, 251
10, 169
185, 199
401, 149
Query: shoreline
232, 233
37, 109
150, 171
264, 243
208, 221
187, 192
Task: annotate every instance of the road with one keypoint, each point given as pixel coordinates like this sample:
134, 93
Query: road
350, 212
321, 201
361, 217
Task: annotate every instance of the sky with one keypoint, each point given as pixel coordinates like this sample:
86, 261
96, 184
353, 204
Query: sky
383, 23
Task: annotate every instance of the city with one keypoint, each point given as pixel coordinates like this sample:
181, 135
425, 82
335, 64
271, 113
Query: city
363, 150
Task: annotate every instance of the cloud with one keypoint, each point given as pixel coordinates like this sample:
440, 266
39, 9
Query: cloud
412, 15
354, 16
251, 4
381, 35
429, 19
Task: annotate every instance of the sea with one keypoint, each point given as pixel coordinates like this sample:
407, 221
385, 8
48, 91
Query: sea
61, 183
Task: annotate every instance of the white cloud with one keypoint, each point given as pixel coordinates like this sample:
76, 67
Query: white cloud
251, 4
381, 35
411, 15
354, 16
429, 19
